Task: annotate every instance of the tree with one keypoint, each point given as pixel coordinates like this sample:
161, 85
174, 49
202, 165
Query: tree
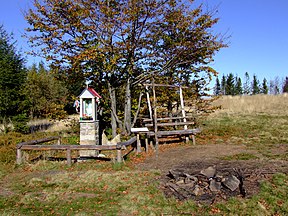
118, 44
217, 88
223, 85
264, 87
285, 87
255, 85
238, 86
45, 95
230, 85
246, 85
12, 76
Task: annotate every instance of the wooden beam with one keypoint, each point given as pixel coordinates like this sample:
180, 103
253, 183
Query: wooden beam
171, 124
169, 118
163, 85
72, 147
35, 142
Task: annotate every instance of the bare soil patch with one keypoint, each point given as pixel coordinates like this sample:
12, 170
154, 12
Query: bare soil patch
193, 159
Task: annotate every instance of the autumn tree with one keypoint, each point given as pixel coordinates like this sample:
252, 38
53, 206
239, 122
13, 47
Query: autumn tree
119, 44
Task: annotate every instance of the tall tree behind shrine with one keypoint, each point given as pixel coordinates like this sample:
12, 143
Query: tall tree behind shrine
118, 44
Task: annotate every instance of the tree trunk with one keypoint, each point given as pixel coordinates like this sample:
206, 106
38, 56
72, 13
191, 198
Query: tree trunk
127, 113
114, 117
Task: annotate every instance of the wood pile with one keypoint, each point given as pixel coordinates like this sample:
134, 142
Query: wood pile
207, 185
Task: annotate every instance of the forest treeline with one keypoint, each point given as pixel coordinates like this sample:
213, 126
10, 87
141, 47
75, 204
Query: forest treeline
233, 85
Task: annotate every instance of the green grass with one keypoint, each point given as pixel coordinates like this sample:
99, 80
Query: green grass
107, 188
240, 156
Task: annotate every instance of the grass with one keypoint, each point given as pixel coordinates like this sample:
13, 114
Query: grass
107, 188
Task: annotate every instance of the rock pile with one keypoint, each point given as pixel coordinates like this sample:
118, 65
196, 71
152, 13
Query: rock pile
207, 185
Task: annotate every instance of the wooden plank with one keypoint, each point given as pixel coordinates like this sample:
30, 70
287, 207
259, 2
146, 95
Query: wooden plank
171, 124
127, 143
169, 118
35, 142
174, 132
72, 147
179, 132
163, 85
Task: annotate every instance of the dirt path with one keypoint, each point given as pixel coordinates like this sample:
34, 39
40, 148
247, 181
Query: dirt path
178, 156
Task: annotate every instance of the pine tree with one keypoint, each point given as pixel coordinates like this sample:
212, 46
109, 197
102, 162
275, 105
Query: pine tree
223, 85
246, 85
255, 85
230, 85
217, 88
238, 86
264, 87
12, 76
285, 87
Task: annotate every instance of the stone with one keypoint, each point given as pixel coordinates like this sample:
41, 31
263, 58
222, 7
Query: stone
214, 186
231, 182
209, 172
197, 191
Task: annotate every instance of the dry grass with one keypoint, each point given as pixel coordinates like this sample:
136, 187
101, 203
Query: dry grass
255, 104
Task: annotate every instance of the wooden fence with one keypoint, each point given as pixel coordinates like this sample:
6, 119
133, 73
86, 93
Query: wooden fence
34, 145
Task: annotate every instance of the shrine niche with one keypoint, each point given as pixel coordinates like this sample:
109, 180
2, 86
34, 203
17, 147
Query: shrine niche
89, 123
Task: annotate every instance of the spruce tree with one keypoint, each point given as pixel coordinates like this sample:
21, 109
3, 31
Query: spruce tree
246, 85
285, 87
264, 87
255, 85
217, 88
238, 86
12, 76
230, 85
223, 85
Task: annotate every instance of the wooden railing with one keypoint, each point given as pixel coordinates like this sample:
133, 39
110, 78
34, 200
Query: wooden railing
33, 145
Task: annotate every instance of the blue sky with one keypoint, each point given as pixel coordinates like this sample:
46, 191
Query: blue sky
258, 29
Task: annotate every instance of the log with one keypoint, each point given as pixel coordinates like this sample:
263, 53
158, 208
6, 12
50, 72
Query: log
35, 142
72, 147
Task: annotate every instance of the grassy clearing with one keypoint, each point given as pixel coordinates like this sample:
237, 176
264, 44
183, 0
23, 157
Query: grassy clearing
106, 188
124, 192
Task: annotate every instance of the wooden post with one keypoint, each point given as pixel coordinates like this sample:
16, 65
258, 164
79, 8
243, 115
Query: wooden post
68, 155
146, 145
183, 112
155, 119
193, 138
59, 141
138, 143
148, 102
119, 156
19, 156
